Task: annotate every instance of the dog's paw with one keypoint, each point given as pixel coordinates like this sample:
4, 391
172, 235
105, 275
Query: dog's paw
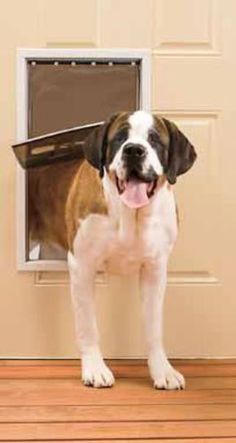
163, 374
169, 379
96, 374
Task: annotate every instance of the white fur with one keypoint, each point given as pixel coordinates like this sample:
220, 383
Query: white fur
82, 267
126, 241
140, 121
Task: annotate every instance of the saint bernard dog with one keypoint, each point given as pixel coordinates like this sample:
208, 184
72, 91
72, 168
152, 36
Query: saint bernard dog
116, 211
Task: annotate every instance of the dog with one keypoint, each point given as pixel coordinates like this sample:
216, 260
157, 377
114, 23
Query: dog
115, 211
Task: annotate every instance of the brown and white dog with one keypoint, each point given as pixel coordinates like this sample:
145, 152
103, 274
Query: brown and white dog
120, 216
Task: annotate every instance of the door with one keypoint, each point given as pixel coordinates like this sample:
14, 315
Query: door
193, 83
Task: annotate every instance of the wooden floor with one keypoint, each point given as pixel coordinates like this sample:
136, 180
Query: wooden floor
45, 401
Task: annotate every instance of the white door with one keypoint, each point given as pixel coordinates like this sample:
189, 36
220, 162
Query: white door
194, 69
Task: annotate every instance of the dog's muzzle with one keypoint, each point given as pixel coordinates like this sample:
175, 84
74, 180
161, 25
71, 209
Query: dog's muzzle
138, 186
133, 157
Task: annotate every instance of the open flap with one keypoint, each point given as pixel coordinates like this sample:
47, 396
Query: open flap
51, 148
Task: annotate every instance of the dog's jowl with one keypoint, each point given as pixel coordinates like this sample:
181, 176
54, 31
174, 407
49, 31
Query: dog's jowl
120, 216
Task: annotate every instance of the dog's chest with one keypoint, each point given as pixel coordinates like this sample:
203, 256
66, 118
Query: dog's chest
135, 243
124, 256
125, 240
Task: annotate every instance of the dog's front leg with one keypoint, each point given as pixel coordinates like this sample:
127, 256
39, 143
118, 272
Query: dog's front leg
153, 285
82, 278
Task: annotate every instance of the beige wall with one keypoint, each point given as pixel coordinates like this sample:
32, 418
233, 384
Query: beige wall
194, 84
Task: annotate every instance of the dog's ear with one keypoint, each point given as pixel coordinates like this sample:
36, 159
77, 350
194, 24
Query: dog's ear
181, 154
95, 146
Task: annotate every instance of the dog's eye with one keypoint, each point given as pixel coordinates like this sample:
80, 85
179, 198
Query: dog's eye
121, 136
153, 137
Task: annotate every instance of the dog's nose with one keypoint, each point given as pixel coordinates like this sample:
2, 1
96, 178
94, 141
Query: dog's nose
133, 150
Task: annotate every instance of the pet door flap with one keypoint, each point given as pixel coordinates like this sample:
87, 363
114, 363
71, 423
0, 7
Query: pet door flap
54, 147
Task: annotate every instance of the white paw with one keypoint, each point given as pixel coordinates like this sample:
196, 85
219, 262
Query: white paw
164, 375
169, 379
96, 373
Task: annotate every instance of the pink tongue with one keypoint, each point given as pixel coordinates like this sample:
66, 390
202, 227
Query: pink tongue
135, 194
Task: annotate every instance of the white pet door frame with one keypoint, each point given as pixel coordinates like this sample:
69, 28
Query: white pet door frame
141, 57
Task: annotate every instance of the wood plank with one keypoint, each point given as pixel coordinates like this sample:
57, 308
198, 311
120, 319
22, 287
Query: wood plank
72, 392
199, 383
27, 414
75, 361
39, 362
68, 373
121, 370
32, 372
118, 430
189, 370
220, 370
159, 440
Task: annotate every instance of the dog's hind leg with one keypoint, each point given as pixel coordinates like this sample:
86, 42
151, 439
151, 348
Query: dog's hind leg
82, 279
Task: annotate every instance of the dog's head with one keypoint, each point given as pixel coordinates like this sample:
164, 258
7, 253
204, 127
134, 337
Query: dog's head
138, 151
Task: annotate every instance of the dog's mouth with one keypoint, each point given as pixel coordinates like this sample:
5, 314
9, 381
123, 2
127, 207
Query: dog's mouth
135, 192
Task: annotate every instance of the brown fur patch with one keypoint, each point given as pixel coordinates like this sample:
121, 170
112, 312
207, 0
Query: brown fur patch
161, 180
120, 120
161, 129
48, 188
169, 187
177, 214
60, 195
85, 197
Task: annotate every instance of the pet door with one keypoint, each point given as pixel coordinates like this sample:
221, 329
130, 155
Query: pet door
64, 92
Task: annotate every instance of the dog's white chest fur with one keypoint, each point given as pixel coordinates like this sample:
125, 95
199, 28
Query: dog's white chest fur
125, 240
